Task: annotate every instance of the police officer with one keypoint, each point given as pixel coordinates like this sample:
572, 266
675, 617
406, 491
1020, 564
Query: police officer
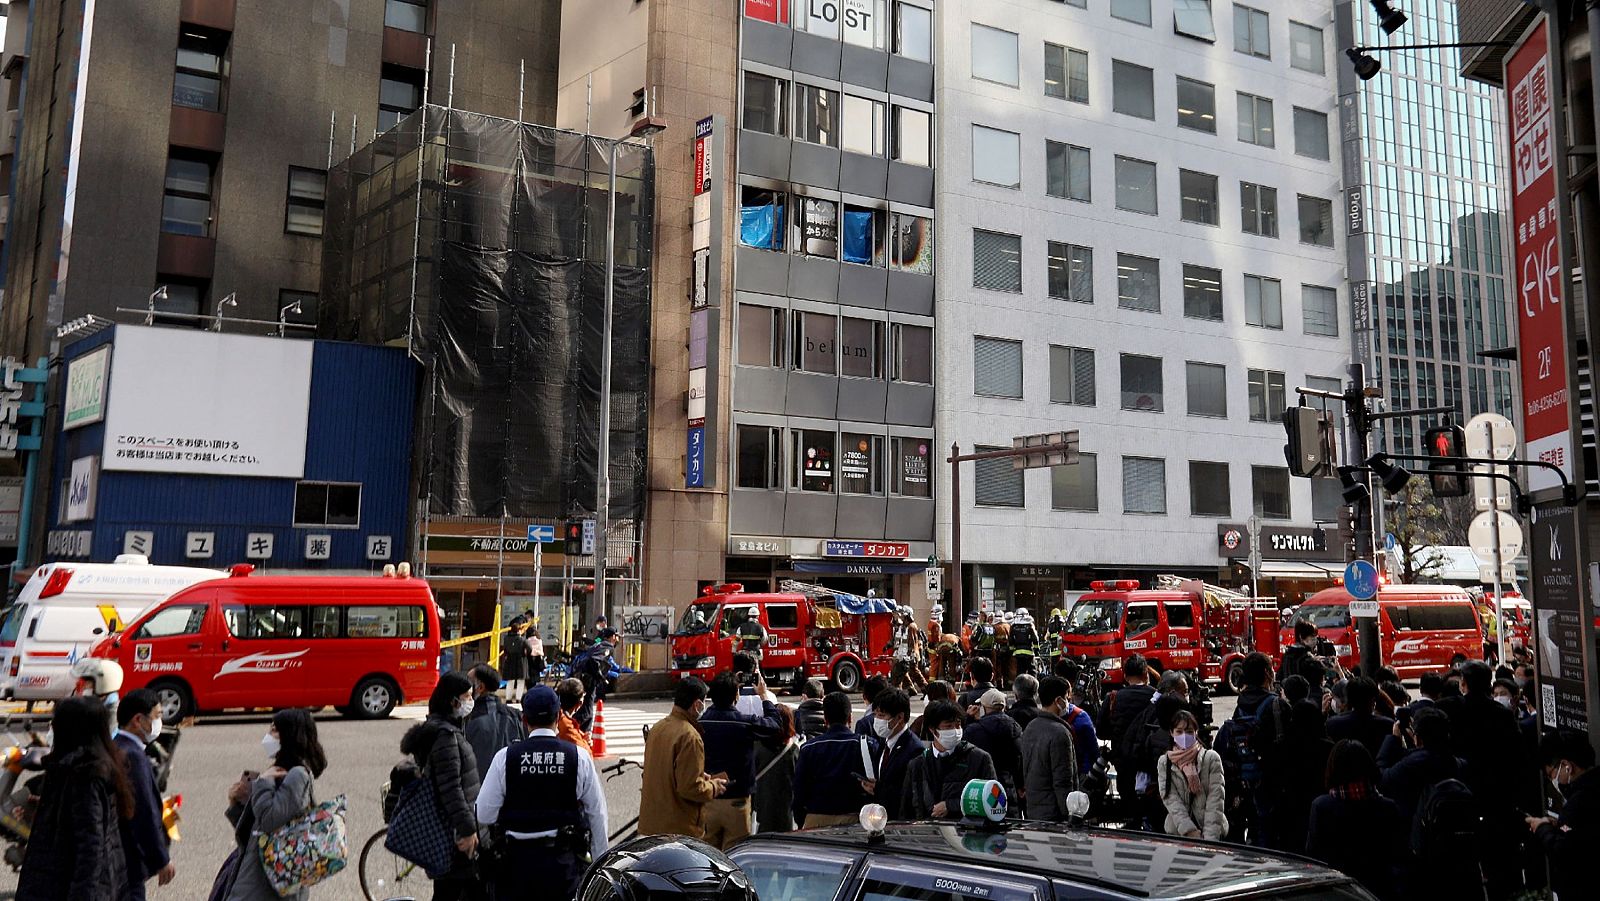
545, 796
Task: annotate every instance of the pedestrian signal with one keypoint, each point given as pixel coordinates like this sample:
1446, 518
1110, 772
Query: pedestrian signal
1447, 446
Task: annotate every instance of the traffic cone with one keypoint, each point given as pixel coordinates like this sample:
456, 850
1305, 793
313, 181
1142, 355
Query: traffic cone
597, 737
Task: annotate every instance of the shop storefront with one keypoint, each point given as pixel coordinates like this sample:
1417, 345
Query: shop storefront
890, 569
1296, 562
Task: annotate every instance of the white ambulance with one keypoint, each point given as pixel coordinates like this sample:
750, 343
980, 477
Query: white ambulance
66, 607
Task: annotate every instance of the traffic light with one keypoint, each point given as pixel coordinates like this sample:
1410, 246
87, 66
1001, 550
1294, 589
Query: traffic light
1310, 450
1446, 445
572, 538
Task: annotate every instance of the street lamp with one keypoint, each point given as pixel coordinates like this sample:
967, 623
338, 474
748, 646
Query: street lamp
283, 316
150, 309
232, 300
1367, 65
1390, 19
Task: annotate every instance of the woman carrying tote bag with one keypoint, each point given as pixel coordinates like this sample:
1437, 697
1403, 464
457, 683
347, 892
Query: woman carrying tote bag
274, 799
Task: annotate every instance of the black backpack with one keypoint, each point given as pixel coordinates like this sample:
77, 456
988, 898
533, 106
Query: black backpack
1236, 741
1138, 742
1447, 824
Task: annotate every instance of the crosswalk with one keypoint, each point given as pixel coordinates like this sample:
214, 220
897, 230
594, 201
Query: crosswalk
624, 728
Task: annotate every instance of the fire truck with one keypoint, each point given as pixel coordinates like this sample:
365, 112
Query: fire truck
1182, 624
812, 632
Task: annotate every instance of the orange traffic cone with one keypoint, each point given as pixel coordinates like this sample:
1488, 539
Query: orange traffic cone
597, 737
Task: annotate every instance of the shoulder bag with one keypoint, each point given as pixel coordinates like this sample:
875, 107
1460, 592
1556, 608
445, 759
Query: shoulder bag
305, 850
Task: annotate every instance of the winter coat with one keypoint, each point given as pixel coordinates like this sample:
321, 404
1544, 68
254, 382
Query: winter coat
828, 773
1000, 736
1366, 839
1188, 812
440, 747
514, 658
1125, 705
1573, 844
774, 793
808, 719
1023, 712
1368, 728
76, 849
676, 788
272, 804
491, 726
1407, 775
893, 765
1050, 769
1486, 736
567, 730
1299, 661
931, 779
1294, 771
730, 740
144, 838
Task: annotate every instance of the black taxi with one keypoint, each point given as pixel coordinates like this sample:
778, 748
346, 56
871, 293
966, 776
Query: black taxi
1022, 861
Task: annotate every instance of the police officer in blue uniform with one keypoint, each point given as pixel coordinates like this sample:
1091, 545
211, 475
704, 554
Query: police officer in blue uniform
544, 796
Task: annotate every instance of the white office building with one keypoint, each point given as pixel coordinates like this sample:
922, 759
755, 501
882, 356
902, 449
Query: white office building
1140, 237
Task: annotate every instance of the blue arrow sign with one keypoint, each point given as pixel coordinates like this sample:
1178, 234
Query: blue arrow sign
542, 534
1361, 580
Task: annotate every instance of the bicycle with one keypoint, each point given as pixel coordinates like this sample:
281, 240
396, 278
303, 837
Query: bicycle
629, 829
384, 874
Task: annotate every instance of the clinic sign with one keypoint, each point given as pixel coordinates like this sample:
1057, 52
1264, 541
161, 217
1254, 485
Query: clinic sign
1539, 271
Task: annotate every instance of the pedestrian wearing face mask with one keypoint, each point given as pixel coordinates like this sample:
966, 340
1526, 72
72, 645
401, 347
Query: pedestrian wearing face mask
998, 734
1572, 841
1191, 784
937, 778
1509, 695
891, 723
283, 792
440, 747
1050, 760
676, 787
144, 838
1300, 659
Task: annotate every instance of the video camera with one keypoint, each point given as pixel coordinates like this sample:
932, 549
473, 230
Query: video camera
744, 669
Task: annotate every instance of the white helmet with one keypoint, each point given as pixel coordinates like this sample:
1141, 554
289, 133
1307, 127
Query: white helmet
104, 676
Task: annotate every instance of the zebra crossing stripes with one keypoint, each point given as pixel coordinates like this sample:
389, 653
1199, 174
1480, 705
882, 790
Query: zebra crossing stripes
624, 727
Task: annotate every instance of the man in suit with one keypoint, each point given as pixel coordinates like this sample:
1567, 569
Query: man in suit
891, 723
144, 838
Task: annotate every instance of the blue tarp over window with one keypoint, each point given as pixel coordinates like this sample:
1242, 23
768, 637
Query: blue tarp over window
857, 605
758, 226
857, 236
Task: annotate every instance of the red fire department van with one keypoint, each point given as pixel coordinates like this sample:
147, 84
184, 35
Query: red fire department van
359, 644
834, 636
1184, 626
1420, 627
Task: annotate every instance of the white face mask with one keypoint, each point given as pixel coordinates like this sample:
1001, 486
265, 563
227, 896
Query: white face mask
271, 745
1503, 701
463, 708
884, 728
1184, 740
947, 738
155, 730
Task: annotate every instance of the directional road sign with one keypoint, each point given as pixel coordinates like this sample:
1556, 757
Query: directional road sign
542, 534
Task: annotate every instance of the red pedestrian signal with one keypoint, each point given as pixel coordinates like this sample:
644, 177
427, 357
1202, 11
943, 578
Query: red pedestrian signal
1447, 473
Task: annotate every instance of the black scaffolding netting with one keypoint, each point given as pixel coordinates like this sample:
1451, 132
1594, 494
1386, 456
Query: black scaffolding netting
480, 243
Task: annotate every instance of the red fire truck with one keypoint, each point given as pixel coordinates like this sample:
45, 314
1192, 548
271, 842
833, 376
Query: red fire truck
1182, 625
811, 633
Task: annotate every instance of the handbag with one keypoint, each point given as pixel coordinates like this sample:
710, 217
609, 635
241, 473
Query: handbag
305, 850
417, 830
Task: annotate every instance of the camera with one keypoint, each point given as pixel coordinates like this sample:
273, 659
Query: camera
1324, 648
744, 669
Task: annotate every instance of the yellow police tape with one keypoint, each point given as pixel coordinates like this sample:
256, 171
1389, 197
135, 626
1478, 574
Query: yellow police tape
493, 636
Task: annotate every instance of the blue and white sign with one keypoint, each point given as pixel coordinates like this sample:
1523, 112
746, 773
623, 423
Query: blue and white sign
542, 534
1389, 541
1361, 580
695, 473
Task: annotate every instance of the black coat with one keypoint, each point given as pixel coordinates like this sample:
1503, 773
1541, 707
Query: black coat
1000, 736
1024, 712
1572, 850
1368, 728
1366, 840
75, 853
1407, 774
931, 779
514, 657
1299, 661
891, 788
1125, 705
491, 726
773, 798
808, 719
1486, 736
144, 838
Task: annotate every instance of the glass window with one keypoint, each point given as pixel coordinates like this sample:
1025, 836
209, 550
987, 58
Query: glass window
1269, 491
1141, 383
1133, 91
997, 367
1136, 185
1198, 196
181, 298
913, 32
761, 217
327, 622
912, 354
1197, 105
1250, 33
1138, 283
399, 93
1208, 389
1066, 171
1263, 302
911, 467
1208, 489
816, 115
1202, 292
813, 461
911, 243
863, 126
1193, 18
1305, 48
407, 15
862, 22
861, 348
1076, 487
1071, 272
1255, 120
1310, 133
186, 204
994, 55
1141, 618
996, 261
861, 238
814, 337
1258, 209
1267, 398
1136, 11
860, 463
1072, 375
327, 504
763, 103
1144, 485
1066, 73
816, 227
266, 623
758, 453
1316, 221
996, 157
996, 483
170, 621
1321, 311
308, 191
197, 77
913, 136
760, 336
385, 622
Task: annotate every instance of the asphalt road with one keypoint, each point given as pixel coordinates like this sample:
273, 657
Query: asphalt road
214, 750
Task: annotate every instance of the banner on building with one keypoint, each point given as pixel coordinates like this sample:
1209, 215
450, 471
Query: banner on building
85, 400
192, 402
81, 487
774, 11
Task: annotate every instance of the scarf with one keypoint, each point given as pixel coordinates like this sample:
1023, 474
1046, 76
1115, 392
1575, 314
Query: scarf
1354, 791
1187, 763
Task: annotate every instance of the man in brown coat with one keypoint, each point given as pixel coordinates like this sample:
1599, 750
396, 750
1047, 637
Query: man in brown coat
676, 787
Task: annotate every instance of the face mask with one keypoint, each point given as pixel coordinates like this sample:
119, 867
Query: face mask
1503, 701
155, 730
884, 728
948, 738
1184, 740
271, 745
50, 737
1338, 706
463, 708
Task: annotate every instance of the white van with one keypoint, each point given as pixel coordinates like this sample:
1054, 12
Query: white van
65, 607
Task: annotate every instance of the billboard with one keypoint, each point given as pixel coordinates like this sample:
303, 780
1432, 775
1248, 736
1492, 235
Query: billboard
204, 403
85, 400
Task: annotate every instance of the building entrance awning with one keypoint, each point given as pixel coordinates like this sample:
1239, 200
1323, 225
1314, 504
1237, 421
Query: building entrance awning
1296, 569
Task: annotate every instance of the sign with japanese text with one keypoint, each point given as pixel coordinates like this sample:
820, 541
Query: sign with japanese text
10, 509
694, 475
206, 403
1277, 543
85, 400
258, 546
138, 542
1538, 273
10, 405
897, 550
